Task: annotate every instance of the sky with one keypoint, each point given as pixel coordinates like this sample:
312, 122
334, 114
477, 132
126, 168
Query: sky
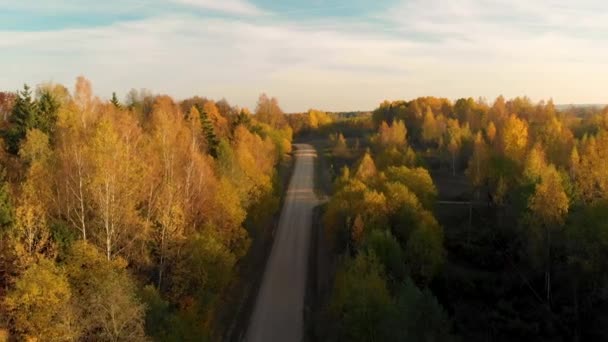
336, 55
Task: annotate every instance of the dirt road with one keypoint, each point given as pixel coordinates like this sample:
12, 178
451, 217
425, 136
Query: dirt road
279, 308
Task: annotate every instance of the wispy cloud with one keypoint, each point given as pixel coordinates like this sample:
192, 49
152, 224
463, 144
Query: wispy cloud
464, 48
238, 7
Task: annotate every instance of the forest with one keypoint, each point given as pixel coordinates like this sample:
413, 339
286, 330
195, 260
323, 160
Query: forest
142, 219
125, 221
466, 220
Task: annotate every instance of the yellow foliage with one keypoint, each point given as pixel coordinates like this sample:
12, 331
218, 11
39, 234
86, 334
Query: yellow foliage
366, 170
317, 118
392, 135
39, 305
514, 138
549, 203
535, 164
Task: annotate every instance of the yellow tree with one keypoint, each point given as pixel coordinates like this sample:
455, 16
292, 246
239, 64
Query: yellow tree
557, 139
366, 170
514, 138
317, 118
167, 152
40, 304
591, 170
477, 170
115, 188
220, 123
491, 132
535, 164
549, 206
430, 129
33, 234
269, 112
340, 148
73, 176
392, 135
455, 135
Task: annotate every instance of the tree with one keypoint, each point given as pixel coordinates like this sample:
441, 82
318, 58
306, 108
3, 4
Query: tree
7, 215
417, 180
360, 301
48, 107
557, 140
455, 135
202, 272
549, 206
115, 101
478, 168
317, 118
392, 135
268, 111
114, 187
491, 132
430, 128
591, 171
535, 164
366, 170
31, 214
384, 245
219, 123
424, 252
340, 148
419, 317
23, 117
40, 307
7, 100
211, 138
104, 294
514, 138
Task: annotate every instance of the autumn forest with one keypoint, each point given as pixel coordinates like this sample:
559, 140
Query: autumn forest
147, 218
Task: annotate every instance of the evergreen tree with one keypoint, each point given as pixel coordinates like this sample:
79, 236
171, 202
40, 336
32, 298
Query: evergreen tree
209, 132
46, 116
23, 118
115, 101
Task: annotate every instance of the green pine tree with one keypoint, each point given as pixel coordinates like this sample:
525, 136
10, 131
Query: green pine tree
209, 132
115, 101
23, 117
46, 117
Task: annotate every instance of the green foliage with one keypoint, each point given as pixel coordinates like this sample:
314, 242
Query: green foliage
389, 253
23, 117
107, 306
419, 317
586, 236
204, 269
424, 252
63, 236
418, 180
361, 302
115, 101
48, 106
209, 132
31, 113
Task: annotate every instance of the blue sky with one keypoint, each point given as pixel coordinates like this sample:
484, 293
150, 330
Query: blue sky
327, 54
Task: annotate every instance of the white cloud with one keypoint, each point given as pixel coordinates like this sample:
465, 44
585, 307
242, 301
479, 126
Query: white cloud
469, 48
239, 7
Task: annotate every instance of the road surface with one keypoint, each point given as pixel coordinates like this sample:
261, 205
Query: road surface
279, 308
